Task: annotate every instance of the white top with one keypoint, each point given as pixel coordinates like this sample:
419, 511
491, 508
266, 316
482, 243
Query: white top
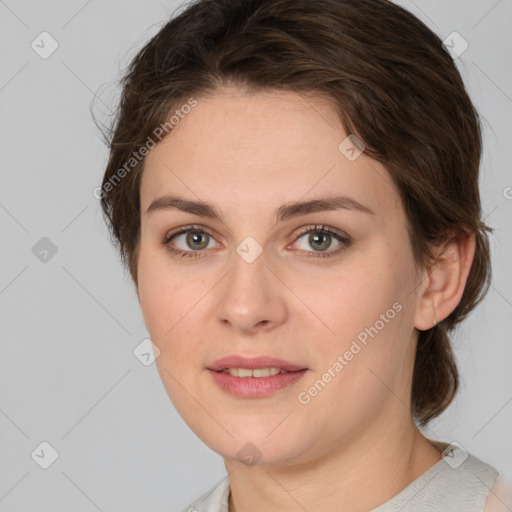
459, 482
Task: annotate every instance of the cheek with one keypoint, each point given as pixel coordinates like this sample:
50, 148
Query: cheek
166, 307
170, 301
365, 317
350, 299
162, 296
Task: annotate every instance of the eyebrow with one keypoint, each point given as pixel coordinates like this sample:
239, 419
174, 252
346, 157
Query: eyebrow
284, 212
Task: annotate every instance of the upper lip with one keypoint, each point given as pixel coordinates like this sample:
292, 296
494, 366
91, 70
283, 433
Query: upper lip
253, 363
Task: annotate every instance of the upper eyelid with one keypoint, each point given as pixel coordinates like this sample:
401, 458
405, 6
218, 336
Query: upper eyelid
320, 228
186, 229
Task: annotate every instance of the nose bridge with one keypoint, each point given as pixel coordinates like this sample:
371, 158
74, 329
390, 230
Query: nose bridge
248, 279
251, 296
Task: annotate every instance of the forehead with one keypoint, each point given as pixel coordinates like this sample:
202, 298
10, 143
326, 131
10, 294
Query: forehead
267, 148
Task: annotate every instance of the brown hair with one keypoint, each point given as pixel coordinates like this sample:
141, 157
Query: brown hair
394, 86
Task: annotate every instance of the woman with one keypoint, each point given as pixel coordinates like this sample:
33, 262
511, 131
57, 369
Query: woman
293, 186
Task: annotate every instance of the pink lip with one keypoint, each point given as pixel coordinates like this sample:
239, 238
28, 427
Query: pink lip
254, 387
253, 363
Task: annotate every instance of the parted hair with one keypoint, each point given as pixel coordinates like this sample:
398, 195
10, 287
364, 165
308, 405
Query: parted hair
393, 84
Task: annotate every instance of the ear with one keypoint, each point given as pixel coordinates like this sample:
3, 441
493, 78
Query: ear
445, 280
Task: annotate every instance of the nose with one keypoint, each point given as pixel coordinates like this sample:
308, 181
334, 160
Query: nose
252, 298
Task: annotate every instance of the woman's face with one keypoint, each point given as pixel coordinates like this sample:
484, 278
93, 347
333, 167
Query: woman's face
259, 282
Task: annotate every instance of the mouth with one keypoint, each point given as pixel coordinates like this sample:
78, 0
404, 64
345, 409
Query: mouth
254, 377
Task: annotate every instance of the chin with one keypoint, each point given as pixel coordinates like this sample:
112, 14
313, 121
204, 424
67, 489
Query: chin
250, 447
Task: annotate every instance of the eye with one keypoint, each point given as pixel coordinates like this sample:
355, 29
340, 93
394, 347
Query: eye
193, 240
321, 238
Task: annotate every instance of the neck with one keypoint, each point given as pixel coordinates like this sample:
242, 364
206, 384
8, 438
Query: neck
355, 476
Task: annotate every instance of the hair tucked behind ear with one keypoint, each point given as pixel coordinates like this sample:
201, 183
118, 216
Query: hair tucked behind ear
436, 377
393, 85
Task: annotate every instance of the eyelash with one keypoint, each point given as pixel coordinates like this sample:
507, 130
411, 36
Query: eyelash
317, 229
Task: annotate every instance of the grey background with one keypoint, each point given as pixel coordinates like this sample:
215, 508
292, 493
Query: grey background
69, 326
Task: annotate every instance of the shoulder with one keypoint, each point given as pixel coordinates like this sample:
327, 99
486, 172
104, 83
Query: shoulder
500, 496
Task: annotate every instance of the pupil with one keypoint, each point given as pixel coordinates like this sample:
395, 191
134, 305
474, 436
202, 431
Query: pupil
194, 238
314, 238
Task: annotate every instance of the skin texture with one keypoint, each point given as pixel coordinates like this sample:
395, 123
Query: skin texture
354, 445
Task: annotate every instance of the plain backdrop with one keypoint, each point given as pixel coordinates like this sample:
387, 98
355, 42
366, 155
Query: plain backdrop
69, 316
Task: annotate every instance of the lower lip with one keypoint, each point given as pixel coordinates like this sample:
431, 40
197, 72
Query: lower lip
255, 387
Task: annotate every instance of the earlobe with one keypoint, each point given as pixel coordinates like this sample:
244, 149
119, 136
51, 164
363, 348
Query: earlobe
445, 281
